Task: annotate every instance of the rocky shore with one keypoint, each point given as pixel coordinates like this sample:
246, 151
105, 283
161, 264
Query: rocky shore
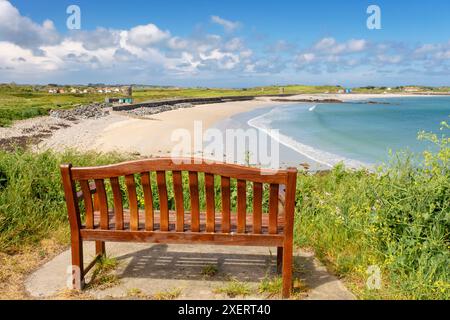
92, 111
147, 111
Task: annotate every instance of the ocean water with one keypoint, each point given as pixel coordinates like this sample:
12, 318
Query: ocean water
357, 134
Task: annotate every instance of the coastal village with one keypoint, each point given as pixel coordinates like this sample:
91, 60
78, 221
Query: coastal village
54, 89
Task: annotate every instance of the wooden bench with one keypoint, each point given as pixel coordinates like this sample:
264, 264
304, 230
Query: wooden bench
103, 223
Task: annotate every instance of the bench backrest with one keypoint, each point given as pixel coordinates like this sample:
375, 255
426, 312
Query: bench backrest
96, 180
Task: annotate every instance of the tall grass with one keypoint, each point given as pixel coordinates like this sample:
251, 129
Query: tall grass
396, 218
22, 102
32, 202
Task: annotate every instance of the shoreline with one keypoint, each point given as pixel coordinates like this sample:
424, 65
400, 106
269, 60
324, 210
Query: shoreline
150, 136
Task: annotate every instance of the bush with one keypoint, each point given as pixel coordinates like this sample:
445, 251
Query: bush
32, 204
397, 219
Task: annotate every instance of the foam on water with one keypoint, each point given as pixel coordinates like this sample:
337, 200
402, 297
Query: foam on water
263, 123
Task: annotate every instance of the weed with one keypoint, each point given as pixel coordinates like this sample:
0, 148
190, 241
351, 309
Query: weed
210, 270
168, 294
234, 288
103, 275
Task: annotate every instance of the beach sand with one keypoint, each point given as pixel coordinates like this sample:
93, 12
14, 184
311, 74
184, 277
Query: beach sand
152, 136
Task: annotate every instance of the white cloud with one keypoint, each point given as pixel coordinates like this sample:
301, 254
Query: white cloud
21, 60
331, 46
146, 53
325, 44
143, 36
356, 45
306, 58
228, 25
23, 31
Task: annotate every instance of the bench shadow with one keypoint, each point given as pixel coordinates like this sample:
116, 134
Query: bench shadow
157, 262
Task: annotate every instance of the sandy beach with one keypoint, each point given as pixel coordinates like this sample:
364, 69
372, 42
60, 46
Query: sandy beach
149, 136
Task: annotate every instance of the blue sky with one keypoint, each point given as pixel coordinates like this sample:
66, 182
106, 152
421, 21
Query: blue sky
226, 43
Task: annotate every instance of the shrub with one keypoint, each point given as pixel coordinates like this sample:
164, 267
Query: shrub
396, 219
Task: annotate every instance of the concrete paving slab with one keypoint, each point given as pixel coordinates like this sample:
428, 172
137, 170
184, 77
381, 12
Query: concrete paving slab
152, 269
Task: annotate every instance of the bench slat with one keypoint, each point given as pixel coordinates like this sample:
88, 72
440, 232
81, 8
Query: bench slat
148, 201
87, 197
185, 237
257, 206
132, 198
241, 205
187, 220
273, 208
118, 205
168, 164
210, 203
163, 201
103, 204
179, 201
195, 203
226, 207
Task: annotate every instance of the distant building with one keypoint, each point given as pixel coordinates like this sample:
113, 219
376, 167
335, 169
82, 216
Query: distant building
119, 100
128, 91
410, 89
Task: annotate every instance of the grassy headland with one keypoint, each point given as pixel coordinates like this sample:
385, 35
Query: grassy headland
19, 102
166, 93
25, 101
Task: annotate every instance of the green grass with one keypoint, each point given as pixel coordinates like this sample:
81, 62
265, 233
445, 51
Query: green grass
210, 270
397, 218
103, 275
32, 205
164, 93
171, 294
234, 288
22, 102
271, 286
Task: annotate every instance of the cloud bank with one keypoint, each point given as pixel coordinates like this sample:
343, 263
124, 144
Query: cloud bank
37, 52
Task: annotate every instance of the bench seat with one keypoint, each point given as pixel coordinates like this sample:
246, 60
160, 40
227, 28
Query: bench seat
187, 222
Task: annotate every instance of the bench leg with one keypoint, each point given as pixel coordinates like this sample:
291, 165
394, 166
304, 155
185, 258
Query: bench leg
100, 249
77, 276
279, 259
287, 271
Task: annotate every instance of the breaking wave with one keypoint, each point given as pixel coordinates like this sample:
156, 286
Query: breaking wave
264, 122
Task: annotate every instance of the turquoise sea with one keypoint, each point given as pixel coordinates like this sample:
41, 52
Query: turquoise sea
356, 133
